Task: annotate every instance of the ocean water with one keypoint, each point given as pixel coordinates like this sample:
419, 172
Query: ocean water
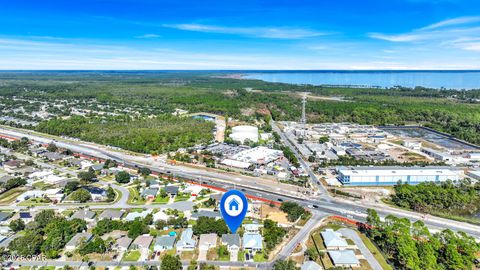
431, 79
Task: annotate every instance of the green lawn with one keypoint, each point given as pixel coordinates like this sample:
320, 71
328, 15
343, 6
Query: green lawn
182, 197
132, 256
134, 197
223, 257
34, 201
161, 200
10, 195
241, 256
259, 257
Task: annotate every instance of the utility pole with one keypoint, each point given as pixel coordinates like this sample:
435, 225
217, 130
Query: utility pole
303, 121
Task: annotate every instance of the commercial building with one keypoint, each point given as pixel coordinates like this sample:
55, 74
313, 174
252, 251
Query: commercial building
384, 176
244, 133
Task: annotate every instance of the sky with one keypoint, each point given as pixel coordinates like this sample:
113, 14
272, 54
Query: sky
239, 35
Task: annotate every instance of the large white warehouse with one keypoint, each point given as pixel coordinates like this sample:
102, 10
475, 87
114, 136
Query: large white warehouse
385, 176
243, 133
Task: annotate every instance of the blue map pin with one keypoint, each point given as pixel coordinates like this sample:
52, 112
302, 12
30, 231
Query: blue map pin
234, 206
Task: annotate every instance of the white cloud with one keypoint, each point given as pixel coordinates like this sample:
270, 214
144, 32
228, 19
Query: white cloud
148, 36
451, 22
263, 32
454, 33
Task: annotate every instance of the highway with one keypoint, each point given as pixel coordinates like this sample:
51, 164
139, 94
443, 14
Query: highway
324, 203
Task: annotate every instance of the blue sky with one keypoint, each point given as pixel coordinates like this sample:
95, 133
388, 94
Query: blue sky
148, 34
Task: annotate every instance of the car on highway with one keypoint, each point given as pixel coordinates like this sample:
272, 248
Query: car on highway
310, 206
280, 199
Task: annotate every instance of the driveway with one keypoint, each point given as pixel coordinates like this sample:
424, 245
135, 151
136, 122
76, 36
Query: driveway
202, 254
349, 233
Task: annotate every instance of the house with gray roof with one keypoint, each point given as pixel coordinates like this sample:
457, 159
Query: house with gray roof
149, 193
186, 241
344, 258
77, 240
84, 214
232, 241
142, 242
4, 216
53, 156
205, 213
123, 243
111, 214
172, 190
333, 240
164, 242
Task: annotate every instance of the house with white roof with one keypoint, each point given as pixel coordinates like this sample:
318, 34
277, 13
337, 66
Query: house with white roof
54, 179
160, 215
134, 215
186, 241
344, 258
207, 241
30, 194
252, 242
333, 240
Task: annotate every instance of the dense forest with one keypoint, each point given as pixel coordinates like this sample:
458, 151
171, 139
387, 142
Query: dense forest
450, 111
446, 197
411, 246
146, 135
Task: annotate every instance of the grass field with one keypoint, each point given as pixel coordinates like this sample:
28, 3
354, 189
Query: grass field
132, 256
10, 195
160, 200
134, 197
182, 197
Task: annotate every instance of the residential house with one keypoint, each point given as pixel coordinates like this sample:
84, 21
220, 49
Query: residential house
53, 156
54, 179
333, 240
30, 194
310, 265
160, 215
207, 241
111, 214
54, 194
252, 242
344, 258
153, 183
5, 230
205, 213
25, 216
97, 167
171, 190
98, 194
149, 193
84, 214
164, 242
252, 228
142, 242
123, 243
232, 241
4, 217
134, 215
186, 241
77, 240
40, 175
5, 178
12, 165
